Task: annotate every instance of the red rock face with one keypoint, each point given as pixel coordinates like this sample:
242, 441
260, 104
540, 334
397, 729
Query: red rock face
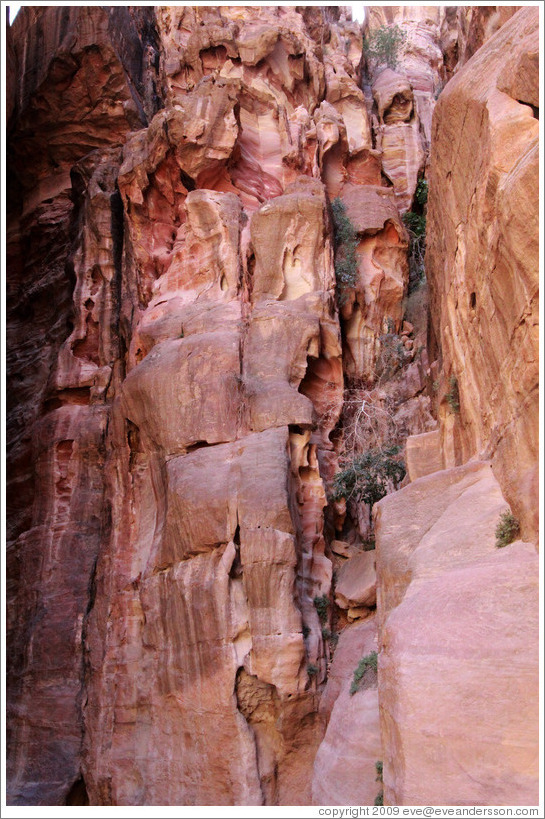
484, 271
185, 401
438, 561
184, 379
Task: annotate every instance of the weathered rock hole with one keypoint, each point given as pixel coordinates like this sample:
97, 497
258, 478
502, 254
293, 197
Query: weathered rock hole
187, 181
78, 395
77, 795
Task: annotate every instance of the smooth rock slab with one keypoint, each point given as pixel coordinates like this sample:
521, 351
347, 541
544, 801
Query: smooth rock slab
423, 454
344, 768
458, 665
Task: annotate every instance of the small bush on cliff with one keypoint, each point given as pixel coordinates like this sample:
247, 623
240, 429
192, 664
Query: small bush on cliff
379, 798
452, 397
507, 530
368, 477
346, 241
322, 605
312, 670
368, 663
421, 193
415, 223
382, 45
416, 227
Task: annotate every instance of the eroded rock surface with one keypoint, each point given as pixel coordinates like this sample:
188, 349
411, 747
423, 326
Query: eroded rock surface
438, 560
191, 380
483, 271
185, 379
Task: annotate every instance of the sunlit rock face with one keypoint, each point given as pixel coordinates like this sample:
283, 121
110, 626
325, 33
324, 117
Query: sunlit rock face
464, 29
483, 260
437, 561
405, 92
347, 758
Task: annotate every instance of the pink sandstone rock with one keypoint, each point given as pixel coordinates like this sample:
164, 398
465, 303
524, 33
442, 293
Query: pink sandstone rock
345, 766
177, 368
423, 454
339, 547
356, 582
464, 29
459, 695
382, 276
404, 97
484, 286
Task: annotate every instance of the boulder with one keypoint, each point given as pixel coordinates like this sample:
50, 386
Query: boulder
356, 582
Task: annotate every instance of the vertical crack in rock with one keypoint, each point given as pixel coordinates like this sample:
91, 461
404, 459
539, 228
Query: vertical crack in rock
77, 795
258, 703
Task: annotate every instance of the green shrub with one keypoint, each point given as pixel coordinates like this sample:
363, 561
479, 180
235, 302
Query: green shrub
379, 767
507, 530
416, 226
312, 670
421, 193
322, 605
368, 663
453, 395
346, 242
331, 636
415, 223
366, 478
379, 799
382, 45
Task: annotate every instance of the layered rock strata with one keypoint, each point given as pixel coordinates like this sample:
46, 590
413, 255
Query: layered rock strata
483, 262
175, 430
186, 610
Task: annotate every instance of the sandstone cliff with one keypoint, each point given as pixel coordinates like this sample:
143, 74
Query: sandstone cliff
191, 366
443, 568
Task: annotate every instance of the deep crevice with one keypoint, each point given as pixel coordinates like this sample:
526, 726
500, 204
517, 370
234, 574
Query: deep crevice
77, 795
187, 180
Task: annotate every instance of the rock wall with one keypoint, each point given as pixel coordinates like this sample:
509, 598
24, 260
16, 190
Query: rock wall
483, 260
170, 440
459, 695
63, 248
186, 604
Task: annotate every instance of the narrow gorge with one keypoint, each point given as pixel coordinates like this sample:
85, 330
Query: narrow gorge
272, 406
